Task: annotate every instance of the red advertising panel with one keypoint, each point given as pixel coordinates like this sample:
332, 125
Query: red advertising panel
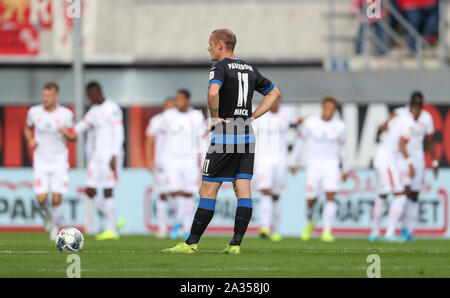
20, 23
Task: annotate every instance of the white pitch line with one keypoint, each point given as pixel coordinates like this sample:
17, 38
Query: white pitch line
172, 269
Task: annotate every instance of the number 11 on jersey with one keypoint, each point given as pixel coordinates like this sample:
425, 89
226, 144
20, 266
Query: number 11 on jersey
243, 89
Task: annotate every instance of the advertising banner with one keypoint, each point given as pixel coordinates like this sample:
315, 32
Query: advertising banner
136, 204
20, 23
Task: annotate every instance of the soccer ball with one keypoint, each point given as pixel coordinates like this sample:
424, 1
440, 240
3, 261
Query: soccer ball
69, 239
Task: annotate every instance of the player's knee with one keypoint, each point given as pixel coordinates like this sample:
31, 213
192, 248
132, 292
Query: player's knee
311, 202
414, 196
91, 192
330, 196
209, 189
266, 192
108, 193
276, 197
163, 197
56, 199
42, 198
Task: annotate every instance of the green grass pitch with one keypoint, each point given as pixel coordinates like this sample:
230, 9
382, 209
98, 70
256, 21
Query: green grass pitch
34, 255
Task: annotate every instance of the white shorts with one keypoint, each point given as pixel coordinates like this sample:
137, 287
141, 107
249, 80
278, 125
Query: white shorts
160, 180
390, 179
271, 176
100, 174
183, 175
322, 179
415, 183
51, 179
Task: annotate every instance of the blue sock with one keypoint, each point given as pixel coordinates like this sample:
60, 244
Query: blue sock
202, 218
243, 215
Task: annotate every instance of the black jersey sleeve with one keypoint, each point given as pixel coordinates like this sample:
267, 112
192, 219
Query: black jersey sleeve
263, 85
217, 74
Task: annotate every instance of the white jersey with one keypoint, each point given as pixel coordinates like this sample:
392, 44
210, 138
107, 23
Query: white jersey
271, 132
52, 147
155, 129
106, 122
399, 127
326, 142
422, 127
183, 134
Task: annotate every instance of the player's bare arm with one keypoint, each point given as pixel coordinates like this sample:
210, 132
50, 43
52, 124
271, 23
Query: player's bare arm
149, 149
112, 163
383, 127
213, 105
432, 149
343, 154
66, 133
402, 146
28, 132
267, 102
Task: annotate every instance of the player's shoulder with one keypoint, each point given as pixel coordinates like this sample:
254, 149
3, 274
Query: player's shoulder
426, 115
339, 122
112, 104
36, 108
169, 114
312, 119
244, 62
196, 113
401, 110
64, 110
218, 65
155, 119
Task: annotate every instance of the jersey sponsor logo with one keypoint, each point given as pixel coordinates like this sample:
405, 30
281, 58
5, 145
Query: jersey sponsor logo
211, 75
240, 112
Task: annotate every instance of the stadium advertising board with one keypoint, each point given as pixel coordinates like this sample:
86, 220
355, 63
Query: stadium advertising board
362, 122
136, 204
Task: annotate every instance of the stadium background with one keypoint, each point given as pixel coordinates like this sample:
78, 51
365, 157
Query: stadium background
142, 51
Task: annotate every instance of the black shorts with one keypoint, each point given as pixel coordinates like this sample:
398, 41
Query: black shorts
227, 167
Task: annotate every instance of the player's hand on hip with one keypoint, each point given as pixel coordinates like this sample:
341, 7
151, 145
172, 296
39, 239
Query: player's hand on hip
216, 121
112, 163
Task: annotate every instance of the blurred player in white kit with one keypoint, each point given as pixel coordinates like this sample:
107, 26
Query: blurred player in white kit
105, 119
50, 159
390, 178
271, 165
327, 148
422, 128
157, 164
184, 128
